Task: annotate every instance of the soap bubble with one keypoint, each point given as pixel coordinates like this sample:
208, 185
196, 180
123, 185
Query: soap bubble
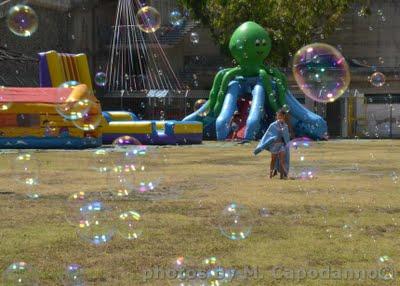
96, 225
74, 276
236, 222
264, 212
129, 225
301, 167
348, 230
22, 20
377, 79
67, 107
86, 115
149, 19
26, 169
75, 206
125, 141
199, 103
175, 18
386, 266
142, 166
321, 72
100, 79
101, 161
20, 273
4, 104
120, 186
188, 272
194, 38
216, 274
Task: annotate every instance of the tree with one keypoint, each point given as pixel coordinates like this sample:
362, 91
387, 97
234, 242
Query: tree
291, 23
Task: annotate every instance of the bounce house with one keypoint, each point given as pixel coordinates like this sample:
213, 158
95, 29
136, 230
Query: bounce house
252, 91
28, 117
56, 68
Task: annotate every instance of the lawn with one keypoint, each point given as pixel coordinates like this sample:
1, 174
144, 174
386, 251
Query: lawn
332, 228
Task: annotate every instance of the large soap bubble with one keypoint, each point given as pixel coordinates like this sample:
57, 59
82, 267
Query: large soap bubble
67, 107
129, 225
149, 19
101, 161
20, 273
76, 205
321, 72
143, 168
236, 222
96, 226
22, 20
301, 166
126, 141
26, 169
86, 115
74, 276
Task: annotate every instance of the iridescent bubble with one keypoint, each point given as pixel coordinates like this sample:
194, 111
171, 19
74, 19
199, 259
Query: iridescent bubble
386, 267
149, 19
130, 225
377, 79
236, 222
20, 273
100, 79
194, 38
96, 225
125, 141
188, 272
264, 212
301, 166
66, 106
75, 205
216, 274
120, 186
101, 161
147, 165
175, 18
74, 276
348, 230
4, 104
33, 196
26, 169
199, 103
321, 72
86, 115
22, 20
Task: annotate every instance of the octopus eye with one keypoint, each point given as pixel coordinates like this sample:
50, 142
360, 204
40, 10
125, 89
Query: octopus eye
264, 42
258, 42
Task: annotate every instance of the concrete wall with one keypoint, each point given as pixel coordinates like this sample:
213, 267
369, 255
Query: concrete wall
369, 38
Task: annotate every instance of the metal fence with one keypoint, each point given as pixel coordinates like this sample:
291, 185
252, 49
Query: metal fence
380, 117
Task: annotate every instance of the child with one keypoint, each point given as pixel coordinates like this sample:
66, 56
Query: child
276, 141
235, 124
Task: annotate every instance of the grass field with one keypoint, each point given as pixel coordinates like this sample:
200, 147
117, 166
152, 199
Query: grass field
356, 185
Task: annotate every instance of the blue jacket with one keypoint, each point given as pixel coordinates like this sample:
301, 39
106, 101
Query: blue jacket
275, 133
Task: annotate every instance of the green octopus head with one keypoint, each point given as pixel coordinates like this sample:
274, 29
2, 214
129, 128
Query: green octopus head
250, 44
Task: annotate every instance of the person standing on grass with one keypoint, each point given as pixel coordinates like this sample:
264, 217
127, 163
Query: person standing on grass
276, 141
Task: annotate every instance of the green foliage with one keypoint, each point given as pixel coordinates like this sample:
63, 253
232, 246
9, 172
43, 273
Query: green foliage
291, 23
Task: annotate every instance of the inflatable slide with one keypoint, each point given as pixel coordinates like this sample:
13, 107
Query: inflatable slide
244, 98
